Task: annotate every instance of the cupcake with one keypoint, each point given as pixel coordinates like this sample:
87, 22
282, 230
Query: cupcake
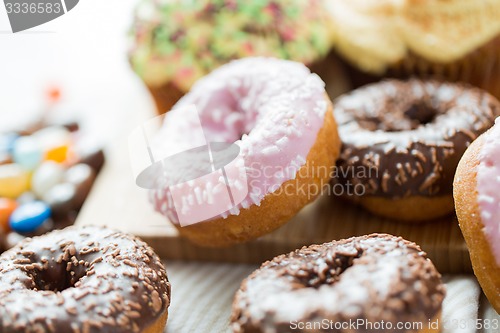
455, 40
177, 42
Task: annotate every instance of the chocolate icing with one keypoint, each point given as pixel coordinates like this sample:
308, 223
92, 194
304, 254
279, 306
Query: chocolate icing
81, 280
375, 277
409, 134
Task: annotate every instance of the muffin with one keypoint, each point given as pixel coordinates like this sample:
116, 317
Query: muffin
177, 42
454, 40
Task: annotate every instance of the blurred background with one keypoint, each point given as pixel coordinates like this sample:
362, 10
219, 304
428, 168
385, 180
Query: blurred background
84, 54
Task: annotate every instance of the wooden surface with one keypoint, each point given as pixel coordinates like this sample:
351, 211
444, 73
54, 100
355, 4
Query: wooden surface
117, 202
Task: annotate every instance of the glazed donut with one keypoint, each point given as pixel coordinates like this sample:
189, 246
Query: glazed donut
88, 279
477, 203
280, 117
402, 141
376, 278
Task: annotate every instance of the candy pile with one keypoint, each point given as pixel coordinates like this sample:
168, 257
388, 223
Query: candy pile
46, 174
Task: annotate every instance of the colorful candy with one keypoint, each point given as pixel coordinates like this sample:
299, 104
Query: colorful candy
53, 94
14, 180
26, 197
90, 153
55, 142
47, 175
27, 152
7, 206
82, 176
29, 217
7, 142
47, 168
58, 154
6, 147
61, 199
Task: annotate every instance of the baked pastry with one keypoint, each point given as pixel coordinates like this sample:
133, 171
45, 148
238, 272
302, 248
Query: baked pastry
176, 42
88, 279
456, 40
477, 204
402, 141
278, 115
361, 280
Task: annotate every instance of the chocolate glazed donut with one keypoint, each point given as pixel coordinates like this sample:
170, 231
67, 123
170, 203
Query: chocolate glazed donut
376, 278
83, 280
402, 141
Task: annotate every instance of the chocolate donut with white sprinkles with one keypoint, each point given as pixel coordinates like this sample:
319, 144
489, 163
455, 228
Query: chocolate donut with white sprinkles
375, 278
402, 141
83, 280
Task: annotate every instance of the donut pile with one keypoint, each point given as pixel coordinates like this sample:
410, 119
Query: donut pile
406, 136
401, 144
401, 141
410, 134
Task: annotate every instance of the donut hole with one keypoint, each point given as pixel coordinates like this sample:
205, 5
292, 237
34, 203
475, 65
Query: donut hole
420, 113
327, 269
57, 277
406, 116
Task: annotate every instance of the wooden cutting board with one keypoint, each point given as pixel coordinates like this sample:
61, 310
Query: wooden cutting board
117, 202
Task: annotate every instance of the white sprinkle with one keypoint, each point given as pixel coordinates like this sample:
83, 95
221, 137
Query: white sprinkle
234, 211
274, 188
300, 159
485, 198
245, 204
485, 215
209, 192
184, 208
198, 194
255, 198
283, 141
271, 150
218, 188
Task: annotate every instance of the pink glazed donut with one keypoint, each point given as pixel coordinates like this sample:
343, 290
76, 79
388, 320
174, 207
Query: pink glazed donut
477, 202
277, 114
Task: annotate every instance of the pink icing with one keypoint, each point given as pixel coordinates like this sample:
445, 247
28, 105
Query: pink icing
488, 183
273, 109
